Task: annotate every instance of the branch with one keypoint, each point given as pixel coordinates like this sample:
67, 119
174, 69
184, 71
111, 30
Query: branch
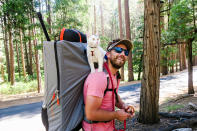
178, 43
178, 115
165, 10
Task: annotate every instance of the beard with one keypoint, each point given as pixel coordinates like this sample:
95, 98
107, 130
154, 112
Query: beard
116, 63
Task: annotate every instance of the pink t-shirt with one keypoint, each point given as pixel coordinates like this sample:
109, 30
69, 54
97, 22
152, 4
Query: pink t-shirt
95, 85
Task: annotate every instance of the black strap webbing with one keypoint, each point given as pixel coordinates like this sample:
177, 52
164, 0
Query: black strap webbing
107, 89
57, 67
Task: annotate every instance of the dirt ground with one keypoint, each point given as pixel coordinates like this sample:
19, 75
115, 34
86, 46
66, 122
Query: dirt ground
181, 100
132, 124
20, 99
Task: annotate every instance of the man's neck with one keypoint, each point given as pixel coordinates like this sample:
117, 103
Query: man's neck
112, 69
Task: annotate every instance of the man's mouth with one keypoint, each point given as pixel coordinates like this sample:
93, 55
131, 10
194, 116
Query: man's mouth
121, 59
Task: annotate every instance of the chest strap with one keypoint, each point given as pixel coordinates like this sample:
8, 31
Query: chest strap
107, 89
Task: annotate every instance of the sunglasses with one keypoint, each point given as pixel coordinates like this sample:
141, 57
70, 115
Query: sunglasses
119, 50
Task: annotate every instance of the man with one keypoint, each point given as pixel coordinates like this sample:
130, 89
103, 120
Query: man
98, 104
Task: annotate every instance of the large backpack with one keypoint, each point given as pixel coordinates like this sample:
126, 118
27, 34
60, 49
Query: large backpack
66, 68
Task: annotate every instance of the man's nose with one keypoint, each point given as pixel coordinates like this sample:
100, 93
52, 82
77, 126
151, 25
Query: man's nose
122, 53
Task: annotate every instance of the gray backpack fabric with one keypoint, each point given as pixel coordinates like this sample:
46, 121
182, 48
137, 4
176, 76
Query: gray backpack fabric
66, 68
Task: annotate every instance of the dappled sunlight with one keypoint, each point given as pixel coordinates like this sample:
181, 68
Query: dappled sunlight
170, 86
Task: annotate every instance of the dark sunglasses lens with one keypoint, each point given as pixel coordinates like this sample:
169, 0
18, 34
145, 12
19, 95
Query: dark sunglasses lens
118, 49
126, 52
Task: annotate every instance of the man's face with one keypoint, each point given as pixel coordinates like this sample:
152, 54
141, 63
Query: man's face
117, 59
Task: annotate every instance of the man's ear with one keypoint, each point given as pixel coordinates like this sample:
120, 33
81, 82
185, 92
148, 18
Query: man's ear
108, 55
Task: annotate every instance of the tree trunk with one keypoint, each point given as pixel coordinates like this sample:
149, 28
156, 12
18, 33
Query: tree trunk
30, 69
149, 96
6, 48
164, 64
176, 55
171, 61
102, 22
121, 34
184, 56
94, 19
49, 16
2, 73
22, 54
37, 58
18, 60
12, 72
26, 55
180, 58
128, 36
194, 61
140, 67
190, 69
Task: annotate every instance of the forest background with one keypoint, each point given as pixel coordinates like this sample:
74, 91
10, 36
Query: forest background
21, 35
163, 33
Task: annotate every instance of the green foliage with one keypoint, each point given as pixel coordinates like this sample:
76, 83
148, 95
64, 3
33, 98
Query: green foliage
194, 46
69, 14
138, 47
173, 107
181, 28
137, 53
181, 20
104, 42
181, 25
16, 11
19, 87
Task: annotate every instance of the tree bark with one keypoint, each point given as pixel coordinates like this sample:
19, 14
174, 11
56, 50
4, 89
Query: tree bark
184, 56
2, 73
180, 58
149, 96
128, 36
102, 21
190, 69
140, 67
37, 58
30, 69
194, 60
121, 34
176, 56
170, 58
6, 48
164, 64
22, 54
94, 19
49, 15
12, 72
18, 60
26, 55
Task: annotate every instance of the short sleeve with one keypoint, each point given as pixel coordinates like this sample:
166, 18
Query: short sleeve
96, 84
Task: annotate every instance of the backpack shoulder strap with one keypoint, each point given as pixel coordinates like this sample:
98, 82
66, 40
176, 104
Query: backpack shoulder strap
62, 34
78, 35
107, 86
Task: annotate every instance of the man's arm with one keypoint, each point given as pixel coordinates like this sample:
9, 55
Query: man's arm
94, 113
120, 104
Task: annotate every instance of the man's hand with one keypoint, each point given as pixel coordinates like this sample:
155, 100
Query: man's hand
122, 115
130, 109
